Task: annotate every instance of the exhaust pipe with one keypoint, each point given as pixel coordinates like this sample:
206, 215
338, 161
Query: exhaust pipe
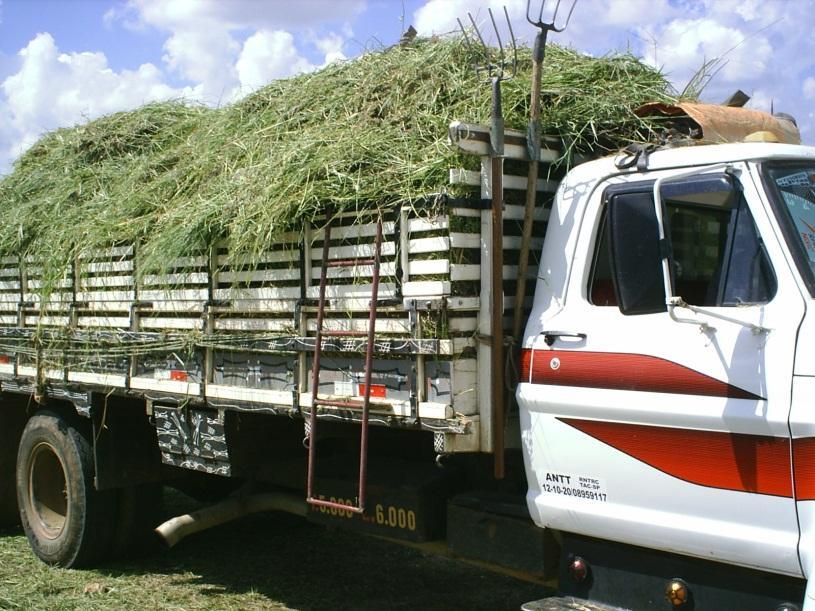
175, 529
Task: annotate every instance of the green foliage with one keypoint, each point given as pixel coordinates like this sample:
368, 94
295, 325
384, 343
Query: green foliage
368, 132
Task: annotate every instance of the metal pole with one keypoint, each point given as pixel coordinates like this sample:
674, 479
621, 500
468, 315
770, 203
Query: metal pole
497, 319
369, 357
533, 146
315, 365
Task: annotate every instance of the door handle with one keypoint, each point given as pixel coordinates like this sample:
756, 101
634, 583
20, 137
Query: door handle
550, 336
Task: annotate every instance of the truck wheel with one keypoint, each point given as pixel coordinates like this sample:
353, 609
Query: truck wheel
67, 521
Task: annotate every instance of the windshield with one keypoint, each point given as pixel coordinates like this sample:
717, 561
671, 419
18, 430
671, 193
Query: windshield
791, 187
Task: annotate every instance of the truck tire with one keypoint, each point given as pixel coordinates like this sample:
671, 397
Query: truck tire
67, 521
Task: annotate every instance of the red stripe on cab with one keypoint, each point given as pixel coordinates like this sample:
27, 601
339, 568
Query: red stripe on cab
731, 461
526, 364
803, 459
621, 371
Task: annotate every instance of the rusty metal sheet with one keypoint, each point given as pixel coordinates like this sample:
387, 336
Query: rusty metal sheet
718, 124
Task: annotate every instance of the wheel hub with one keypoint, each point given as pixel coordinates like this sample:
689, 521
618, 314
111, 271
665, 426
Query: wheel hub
47, 492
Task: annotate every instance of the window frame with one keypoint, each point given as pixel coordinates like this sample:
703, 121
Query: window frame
736, 209
782, 215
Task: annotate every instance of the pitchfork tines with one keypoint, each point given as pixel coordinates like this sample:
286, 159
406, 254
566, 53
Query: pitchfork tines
501, 68
547, 18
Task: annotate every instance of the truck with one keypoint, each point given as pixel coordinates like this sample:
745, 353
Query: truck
646, 443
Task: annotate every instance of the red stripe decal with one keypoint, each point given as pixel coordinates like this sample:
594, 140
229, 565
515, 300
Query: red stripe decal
731, 461
526, 365
803, 457
620, 371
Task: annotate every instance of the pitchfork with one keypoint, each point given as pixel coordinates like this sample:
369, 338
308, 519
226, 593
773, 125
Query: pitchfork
533, 140
502, 69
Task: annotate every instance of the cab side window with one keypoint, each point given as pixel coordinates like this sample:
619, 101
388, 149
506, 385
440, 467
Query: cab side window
716, 255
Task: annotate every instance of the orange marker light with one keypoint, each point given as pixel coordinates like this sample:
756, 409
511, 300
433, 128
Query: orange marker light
677, 592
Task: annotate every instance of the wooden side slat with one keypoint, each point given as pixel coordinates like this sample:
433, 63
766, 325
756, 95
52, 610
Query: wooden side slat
105, 281
254, 324
112, 252
386, 290
365, 230
270, 256
262, 293
174, 295
435, 224
419, 246
106, 266
383, 325
172, 323
265, 275
353, 250
177, 279
430, 267
472, 178
387, 268
466, 272
426, 288
117, 322
122, 296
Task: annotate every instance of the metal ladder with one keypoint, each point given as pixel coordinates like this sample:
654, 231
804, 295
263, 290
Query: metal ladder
364, 405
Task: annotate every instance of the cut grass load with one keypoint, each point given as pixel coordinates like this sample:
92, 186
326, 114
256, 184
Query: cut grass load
370, 132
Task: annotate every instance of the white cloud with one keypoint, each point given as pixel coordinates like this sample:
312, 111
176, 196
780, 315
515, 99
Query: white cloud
685, 44
763, 99
220, 50
624, 13
204, 55
204, 44
268, 55
236, 14
597, 25
53, 89
808, 88
439, 16
766, 48
223, 49
750, 10
331, 46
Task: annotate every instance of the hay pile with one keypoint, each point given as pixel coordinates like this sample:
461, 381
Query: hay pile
367, 132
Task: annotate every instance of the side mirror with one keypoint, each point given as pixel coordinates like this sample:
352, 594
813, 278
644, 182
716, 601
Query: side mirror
716, 191
635, 255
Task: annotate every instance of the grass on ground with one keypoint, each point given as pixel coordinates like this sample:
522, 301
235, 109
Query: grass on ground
267, 561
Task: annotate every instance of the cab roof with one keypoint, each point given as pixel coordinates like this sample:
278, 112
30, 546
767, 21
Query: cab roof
695, 156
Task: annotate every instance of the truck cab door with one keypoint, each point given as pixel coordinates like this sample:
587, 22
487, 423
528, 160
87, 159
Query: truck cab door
668, 430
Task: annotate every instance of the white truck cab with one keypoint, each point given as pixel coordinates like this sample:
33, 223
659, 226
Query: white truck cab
667, 379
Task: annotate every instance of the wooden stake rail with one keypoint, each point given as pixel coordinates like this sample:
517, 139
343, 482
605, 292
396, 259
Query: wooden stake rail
251, 325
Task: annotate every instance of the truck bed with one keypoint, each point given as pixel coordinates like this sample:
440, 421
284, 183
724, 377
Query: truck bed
221, 333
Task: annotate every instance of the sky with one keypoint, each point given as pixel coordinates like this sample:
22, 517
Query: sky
63, 62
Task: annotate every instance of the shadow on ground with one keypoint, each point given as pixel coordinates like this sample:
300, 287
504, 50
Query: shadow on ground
310, 567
